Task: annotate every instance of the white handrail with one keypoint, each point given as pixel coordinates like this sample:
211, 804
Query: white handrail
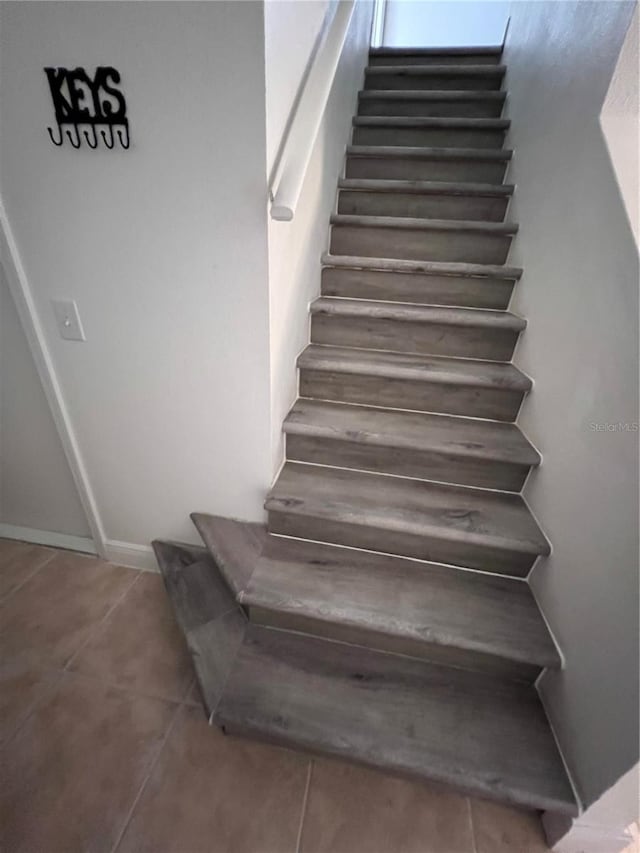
379, 17
288, 178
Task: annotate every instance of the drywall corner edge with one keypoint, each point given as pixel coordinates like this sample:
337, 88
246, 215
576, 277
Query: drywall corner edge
26, 308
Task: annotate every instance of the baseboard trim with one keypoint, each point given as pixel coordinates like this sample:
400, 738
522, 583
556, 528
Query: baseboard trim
123, 553
49, 538
131, 555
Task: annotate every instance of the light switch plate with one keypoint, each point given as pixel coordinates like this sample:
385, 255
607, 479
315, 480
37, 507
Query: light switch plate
68, 319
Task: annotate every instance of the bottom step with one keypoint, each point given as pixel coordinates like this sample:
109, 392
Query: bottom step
477, 733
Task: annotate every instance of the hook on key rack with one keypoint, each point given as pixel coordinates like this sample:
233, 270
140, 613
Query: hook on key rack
77, 142
90, 143
51, 137
112, 141
119, 130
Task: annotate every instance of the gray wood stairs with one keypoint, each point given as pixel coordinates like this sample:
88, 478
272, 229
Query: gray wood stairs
383, 614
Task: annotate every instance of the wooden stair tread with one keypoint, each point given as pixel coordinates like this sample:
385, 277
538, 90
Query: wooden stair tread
431, 95
492, 440
439, 70
473, 317
422, 267
401, 597
480, 734
444, 122
477, 517
482, 374
407, 223
424, 152
426, 187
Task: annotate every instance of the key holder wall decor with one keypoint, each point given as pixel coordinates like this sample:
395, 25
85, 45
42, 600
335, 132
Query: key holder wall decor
91, 109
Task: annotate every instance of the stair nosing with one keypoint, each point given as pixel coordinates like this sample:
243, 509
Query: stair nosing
528, 455
523, 385
455, 188
406, 223
409, 267
409, 312
425, 152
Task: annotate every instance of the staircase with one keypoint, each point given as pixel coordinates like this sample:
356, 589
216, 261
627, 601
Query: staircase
383, 615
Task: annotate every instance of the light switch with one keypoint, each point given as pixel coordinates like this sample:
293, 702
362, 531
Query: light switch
68, 319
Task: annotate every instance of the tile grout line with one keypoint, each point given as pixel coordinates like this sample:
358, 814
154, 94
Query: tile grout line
26, 580
143, 785
62, 671
180, 705
305, 800
474, 846
97, 627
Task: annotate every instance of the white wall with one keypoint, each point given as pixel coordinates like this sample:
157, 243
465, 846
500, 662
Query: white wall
296, 247
36, 487
579, 294
444, 23
163, 247
291, 30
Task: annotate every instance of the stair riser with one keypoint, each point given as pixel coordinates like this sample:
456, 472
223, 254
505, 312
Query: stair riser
416, 169
436, 59
363, 203
419, 338
444, 655
418, 288
406, 462
399, 81
408, 107
451, 552
420, 245
428, 137
438, 82
473, 402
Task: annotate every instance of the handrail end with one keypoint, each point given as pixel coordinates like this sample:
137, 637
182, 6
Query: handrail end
281, 212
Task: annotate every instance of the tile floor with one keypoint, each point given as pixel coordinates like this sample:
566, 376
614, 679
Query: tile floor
104, 746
